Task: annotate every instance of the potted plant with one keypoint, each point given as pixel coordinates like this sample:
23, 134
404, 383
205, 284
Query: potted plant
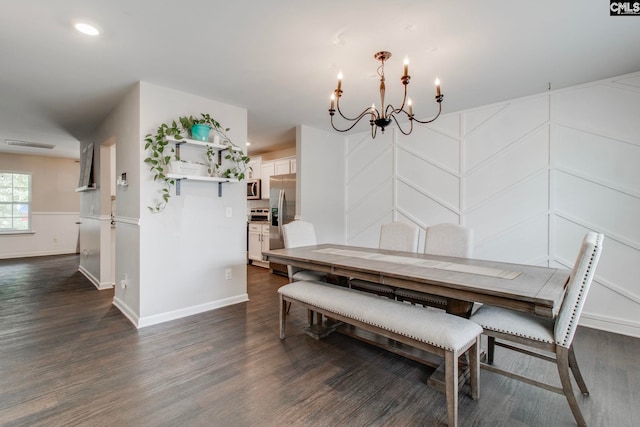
162, 153
200, 128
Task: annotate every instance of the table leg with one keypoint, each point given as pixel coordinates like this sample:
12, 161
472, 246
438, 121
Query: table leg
459, 307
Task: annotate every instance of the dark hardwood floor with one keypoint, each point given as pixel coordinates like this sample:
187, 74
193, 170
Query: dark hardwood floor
68, 357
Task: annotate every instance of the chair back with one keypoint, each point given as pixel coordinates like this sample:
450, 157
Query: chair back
399, 236
299, 233
295, 234
449, 240
577, 289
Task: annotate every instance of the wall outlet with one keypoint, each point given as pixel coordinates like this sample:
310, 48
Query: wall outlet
124, 282
228, 274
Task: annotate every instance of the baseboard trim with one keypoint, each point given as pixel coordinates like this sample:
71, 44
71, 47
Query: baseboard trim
610, 324
66, 251
189, 311
126, 311
99, 285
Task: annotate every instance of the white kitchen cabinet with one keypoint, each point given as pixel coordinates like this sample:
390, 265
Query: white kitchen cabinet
283, 166
256, 168
268, 170
258, 242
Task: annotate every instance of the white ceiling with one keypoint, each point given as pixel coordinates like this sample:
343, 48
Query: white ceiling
279, 59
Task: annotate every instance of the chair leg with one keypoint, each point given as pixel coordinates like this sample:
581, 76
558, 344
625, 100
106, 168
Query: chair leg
474, 369
451, 387
283, 316
491, 348
573, 364
562, 355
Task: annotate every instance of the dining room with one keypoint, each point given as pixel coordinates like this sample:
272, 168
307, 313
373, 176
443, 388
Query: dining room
525, 136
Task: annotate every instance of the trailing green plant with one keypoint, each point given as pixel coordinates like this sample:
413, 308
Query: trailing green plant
237, 158
162, 152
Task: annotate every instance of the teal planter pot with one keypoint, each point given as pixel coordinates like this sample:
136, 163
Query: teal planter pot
200, 132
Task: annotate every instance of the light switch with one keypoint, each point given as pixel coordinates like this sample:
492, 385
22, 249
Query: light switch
229, 212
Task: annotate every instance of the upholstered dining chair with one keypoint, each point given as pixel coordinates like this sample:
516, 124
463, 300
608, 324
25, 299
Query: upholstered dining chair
301, 233
555, 336
440, 239
395, 236
449, 240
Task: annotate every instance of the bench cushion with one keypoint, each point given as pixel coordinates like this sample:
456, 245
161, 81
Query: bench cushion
436, 328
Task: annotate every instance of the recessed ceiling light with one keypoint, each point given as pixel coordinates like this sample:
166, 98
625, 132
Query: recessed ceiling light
87, 29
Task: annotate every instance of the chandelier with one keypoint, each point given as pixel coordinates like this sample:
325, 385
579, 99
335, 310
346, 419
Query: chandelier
382, 118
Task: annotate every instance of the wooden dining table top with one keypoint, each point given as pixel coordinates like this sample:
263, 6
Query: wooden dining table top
520, 287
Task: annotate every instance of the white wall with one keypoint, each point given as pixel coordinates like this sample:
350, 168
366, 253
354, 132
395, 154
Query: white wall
320, 177
173, 262
531, 176
185, 250
55, 206
120, 127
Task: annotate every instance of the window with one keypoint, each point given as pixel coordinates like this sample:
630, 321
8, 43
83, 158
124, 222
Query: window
15, 202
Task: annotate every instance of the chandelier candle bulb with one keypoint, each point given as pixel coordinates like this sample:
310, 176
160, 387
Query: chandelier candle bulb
406, 66
437, 86
339, 81
333, 98
410, 104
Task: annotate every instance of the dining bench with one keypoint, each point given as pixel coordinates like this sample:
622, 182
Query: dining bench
433, 331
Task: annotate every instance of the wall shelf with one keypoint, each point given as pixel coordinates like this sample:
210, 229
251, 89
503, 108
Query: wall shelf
220, 181
217, 147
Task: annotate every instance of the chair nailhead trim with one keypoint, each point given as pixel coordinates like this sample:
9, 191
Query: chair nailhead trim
572, 322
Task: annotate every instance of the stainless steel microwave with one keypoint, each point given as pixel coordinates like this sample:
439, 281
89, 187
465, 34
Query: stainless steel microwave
253, 189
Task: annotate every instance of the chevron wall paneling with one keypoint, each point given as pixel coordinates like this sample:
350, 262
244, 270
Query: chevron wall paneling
595, 140
369, 185
531, 176
506, 180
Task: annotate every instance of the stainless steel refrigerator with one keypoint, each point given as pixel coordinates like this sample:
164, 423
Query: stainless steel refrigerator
282, 201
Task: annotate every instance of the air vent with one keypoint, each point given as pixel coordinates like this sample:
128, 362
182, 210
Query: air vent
28, 144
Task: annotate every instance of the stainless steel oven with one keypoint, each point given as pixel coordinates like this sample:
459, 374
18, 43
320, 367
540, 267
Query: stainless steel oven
253, 189
259, 215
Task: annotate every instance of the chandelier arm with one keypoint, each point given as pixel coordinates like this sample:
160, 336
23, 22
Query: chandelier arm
401, 109
400, 127
393, 111
356, 121
404, 98
434, 118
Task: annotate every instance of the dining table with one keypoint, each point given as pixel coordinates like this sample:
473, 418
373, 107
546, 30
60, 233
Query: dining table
462, 281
